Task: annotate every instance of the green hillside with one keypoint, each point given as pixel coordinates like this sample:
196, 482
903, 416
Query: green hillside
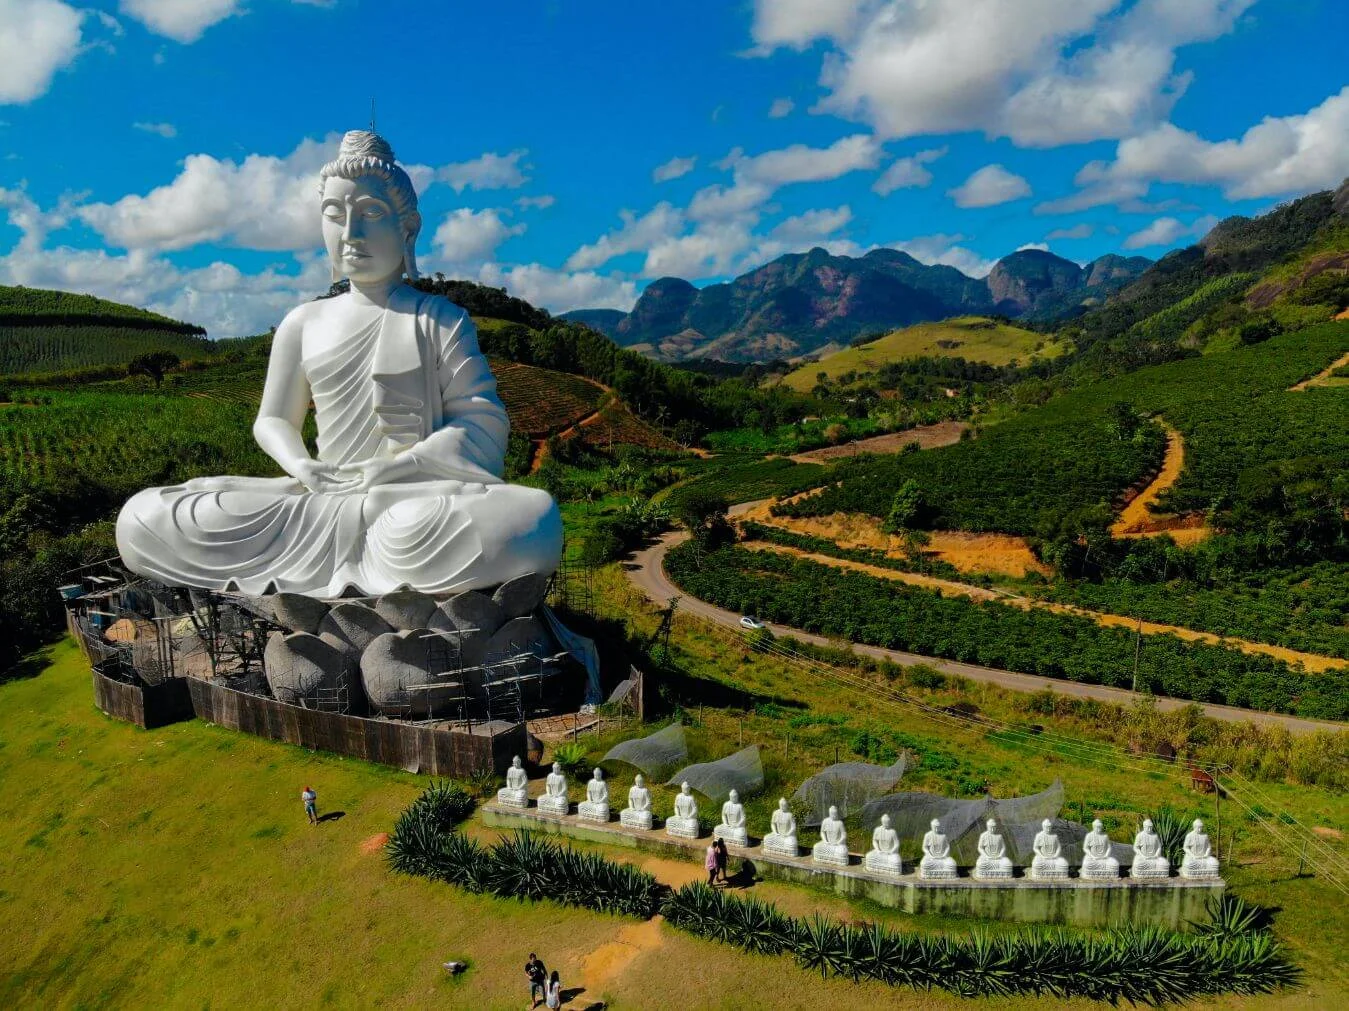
45, 331
974, 338
1267, 459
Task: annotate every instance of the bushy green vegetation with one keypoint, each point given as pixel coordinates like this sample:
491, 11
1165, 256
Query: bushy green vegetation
59, 347
1141, 965
1268, 462
24, 306
863, 608
746, 479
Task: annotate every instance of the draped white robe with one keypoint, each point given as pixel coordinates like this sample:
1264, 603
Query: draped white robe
412, 382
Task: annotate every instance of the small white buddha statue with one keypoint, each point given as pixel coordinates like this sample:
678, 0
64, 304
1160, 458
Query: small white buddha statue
937, 862
732, 829
638, 812
782, 840
406, 487
516, 792
993, 862
596, 805
1097, 862
1049, 863
1149, 861
554, 799
1198, 861
684, 821
833, 845
883, 857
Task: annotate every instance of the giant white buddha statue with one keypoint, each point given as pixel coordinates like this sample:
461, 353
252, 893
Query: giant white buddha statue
406, 487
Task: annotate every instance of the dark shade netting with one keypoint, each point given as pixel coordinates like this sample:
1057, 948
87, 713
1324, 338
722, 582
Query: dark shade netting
742, 772
845, 785
962, 821
654, 755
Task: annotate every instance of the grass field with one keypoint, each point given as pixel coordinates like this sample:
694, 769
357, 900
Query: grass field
173, 868
973, 338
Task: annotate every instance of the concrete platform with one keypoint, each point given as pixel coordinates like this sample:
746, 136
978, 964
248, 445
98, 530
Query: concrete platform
1169, 903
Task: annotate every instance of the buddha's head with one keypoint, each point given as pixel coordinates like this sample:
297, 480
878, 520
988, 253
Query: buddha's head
936, 825
735, 797
599, 774
885, 821
557, 767
1147, 824
1045, 825
515, 762
684, 788
1198, 825
639, 782
369, 207
1097, 826
992, 824
782, 804
833, 813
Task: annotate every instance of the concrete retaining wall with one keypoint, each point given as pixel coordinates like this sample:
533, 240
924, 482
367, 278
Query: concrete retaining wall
1172, 903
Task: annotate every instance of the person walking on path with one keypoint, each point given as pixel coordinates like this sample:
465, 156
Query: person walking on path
722, 858
553, 991
710, 863
538, 979
311, 804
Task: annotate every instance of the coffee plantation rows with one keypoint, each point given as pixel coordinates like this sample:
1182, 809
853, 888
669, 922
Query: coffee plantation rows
59, 347
867, 609
1254, 450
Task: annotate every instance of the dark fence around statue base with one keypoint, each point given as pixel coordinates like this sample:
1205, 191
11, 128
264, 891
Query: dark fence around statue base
147, 706
433, 750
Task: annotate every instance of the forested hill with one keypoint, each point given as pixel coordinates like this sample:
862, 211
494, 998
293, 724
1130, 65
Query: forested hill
1274, 273
45, 331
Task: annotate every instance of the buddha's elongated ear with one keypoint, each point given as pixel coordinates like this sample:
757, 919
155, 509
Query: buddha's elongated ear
337, 274
410, 256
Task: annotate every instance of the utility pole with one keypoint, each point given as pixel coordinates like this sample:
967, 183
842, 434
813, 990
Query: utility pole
1138, 648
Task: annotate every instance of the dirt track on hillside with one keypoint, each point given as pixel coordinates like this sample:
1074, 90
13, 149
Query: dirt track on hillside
943, 433
1322, 378
1137, 518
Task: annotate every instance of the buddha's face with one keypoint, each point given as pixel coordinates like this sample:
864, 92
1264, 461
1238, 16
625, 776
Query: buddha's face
361, 231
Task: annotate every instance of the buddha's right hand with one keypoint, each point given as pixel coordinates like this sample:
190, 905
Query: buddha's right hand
322, 478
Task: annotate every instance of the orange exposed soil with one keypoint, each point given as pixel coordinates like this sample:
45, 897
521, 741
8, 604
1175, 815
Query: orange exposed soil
994, 554
610, 960
1137, 518
1312, 662
1322, 378
375, 843
927, 437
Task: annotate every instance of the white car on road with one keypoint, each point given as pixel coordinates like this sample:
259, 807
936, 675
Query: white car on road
751, 623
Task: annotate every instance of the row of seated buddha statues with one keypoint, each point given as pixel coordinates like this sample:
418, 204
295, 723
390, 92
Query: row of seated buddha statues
1048, 862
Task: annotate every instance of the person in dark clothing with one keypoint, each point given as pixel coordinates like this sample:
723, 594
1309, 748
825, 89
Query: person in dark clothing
538, 979
722, 858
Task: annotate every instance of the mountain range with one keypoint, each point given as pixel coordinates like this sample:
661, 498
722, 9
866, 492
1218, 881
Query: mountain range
807, 304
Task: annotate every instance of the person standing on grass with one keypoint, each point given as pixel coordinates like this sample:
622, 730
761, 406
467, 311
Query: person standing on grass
553, 991
538, 979
722, 859
710, 863
311, 804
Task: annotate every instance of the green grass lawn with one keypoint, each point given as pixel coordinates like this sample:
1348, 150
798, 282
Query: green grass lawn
174, 868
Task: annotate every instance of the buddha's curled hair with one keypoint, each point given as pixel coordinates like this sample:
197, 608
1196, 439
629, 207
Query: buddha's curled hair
364, 153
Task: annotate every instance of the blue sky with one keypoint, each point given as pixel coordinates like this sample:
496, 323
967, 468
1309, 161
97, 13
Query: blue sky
163, 152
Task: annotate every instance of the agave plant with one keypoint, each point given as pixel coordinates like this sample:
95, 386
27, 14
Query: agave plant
416, 844
571, 755
1171, 828
447, 803
1231, 916
522, 867
466, 863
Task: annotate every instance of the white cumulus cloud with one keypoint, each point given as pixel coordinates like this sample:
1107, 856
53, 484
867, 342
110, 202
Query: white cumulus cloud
181, 20
166, 130
490, 171
636, 235
1078, 231
1279, 155
37, 38
905, 173
781, 108
945, 249
989, 186
560, 290
467, 236
1042, 72
673, 169
1168, 231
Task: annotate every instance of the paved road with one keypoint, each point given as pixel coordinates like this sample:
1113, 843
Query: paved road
648, 575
